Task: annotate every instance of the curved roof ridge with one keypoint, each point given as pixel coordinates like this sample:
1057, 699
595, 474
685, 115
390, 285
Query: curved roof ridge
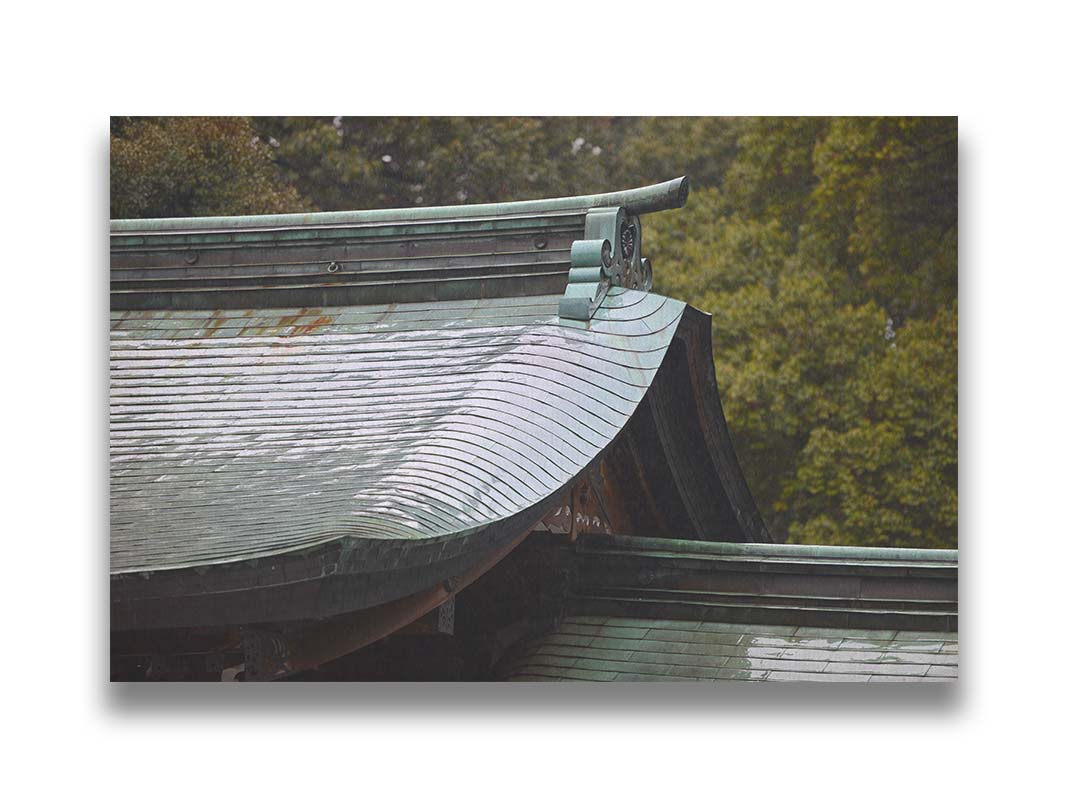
642, 200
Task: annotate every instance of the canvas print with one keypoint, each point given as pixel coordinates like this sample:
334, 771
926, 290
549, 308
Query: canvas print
533, 399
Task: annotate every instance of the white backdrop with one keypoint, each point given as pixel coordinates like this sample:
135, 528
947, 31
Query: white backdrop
66, 69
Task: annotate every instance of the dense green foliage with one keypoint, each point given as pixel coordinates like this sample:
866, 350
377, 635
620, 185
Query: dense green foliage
828, 259
825, 248
194, 166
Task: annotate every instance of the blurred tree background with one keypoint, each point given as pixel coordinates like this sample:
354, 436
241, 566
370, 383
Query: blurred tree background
825, 248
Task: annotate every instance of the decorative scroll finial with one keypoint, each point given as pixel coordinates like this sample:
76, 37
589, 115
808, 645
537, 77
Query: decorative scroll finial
609, 255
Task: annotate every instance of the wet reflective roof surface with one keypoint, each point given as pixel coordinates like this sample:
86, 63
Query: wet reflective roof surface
588, 648
237, 434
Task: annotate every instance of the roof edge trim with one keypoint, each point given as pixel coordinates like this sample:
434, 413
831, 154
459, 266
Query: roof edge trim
758, 549
646, 199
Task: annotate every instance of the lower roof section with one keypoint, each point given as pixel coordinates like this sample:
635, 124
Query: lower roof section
588, 648
662, 609
870, 588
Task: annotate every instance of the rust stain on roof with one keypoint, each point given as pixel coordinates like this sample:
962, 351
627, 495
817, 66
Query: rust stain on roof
311, 327
213, 324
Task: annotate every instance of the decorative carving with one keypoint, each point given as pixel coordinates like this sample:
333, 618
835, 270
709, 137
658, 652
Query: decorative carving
629, 240
587, 282
265, 654
446, 616
609, 255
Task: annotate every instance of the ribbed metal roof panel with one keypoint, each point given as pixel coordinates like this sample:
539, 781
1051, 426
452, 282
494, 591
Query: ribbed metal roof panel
598, 648
666, 609
239, 434
360, 257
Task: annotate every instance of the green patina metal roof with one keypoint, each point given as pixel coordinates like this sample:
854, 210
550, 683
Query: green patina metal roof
387, 396
317, 413
598, 648
668, 609
644, 200
239, 435
768, 553
575, 247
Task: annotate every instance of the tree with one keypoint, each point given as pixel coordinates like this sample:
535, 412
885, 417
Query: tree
654, 149
884, 472
384, 162
194, 166
837, 369
885, 208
